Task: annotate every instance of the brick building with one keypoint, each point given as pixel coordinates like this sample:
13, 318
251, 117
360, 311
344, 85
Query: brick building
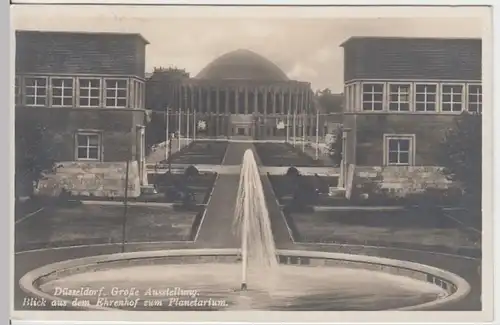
87, 90
401, 95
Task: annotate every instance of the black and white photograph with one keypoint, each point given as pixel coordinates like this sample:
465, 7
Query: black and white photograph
208, 160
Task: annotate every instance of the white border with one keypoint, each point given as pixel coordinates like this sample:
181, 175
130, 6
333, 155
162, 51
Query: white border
474, 317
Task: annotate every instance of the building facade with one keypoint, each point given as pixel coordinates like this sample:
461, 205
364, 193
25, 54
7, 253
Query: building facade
402, 95
88, 92
239, 94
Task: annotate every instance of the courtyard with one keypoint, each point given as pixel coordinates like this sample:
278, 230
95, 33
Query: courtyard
208, 224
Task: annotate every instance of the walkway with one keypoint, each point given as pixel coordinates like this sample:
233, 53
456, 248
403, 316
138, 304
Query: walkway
216, 228
235, 169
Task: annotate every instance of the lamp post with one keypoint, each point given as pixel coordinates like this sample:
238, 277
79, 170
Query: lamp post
303, 132
169, 160
343, 163
179, 130
167, 132
125, 206
317, 134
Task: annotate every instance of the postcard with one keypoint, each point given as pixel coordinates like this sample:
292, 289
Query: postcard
263, 164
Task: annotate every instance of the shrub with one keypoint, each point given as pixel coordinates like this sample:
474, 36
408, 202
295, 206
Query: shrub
292, 171
191, 171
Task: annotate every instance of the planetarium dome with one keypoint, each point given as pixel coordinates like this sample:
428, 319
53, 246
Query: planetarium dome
242, 65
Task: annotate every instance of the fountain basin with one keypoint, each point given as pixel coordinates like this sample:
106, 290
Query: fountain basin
208, 279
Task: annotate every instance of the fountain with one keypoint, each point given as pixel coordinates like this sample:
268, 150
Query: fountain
252, 223
257, 276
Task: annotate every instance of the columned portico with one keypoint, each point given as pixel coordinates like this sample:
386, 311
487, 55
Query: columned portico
264, 104
242, 94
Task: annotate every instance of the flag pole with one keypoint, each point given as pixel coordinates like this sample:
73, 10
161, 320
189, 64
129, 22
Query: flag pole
304, 111
167, 132
287, 125
194, 124
187, 125
317, 133
179, 137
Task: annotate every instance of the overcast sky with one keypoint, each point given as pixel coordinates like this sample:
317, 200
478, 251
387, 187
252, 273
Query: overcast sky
304, 48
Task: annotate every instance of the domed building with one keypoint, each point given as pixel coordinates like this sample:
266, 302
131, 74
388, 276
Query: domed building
240, 94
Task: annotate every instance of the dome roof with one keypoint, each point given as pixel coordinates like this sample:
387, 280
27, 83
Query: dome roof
242, 64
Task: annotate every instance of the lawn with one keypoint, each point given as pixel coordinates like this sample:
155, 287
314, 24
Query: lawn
415, 229
99, 224
201, 152
284, 154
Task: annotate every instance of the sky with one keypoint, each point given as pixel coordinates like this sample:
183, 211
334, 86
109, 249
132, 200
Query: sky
305, 47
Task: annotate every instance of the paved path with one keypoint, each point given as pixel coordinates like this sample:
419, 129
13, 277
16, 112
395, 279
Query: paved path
228, 169
216, 228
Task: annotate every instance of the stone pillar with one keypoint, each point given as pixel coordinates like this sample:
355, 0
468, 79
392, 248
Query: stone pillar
191, 90
246, 100
217, 111
237, 100
208, 113
255, 101
226, 117
273, 91
282, 102
264, 129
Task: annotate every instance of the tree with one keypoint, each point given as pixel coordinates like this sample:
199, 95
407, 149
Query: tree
461, 155
161, 94
329, 102
34, 153
170, 72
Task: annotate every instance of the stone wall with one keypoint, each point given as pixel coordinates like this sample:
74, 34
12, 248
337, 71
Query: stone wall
429, 131
116, 126
102, 179
80, 53
400, 181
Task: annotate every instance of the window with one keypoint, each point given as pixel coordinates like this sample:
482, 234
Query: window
116, 93
17, 90
425, 98
137, 94
62, 91
353, 98
475, 98
36, 91
399, 97
452, 98
141, 95
90, 92
398, 150
88, 146
348, 102
373, 97
132, 92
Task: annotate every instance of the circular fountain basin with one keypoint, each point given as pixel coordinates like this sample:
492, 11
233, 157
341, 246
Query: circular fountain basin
210, 280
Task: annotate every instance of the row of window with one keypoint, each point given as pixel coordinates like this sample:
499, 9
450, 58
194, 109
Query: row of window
81, 92
416, 97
